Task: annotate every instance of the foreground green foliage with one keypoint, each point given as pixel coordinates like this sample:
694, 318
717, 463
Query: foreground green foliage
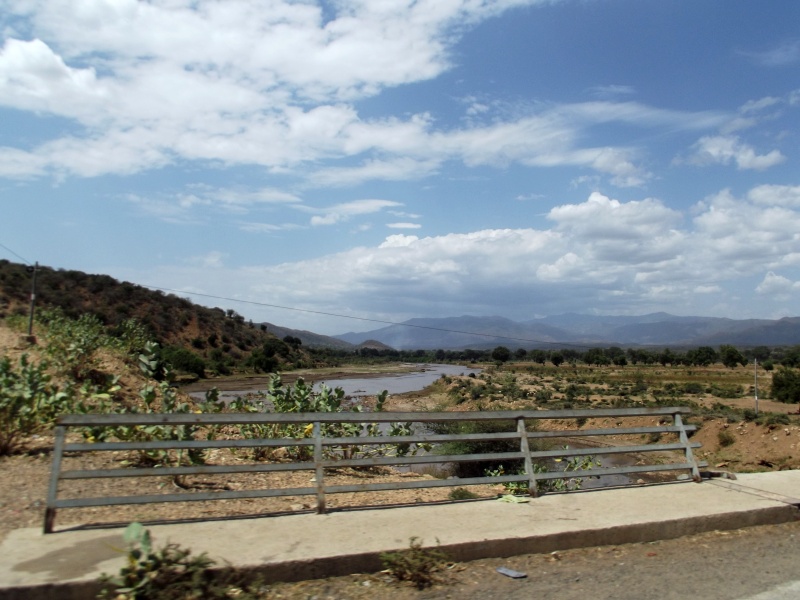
171, 573
29, 403
302, 398
564, 484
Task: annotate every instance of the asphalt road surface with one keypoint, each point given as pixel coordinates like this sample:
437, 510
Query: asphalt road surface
756, 563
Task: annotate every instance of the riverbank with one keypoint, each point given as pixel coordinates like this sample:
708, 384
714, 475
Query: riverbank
255, 382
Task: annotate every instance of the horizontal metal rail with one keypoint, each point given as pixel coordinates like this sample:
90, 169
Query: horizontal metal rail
144, 419
358, 450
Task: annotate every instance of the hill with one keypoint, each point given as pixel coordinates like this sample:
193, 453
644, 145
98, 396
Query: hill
308, 338
657, 329
198, 339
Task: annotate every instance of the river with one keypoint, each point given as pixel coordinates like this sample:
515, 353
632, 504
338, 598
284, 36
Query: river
417, 380
356, 387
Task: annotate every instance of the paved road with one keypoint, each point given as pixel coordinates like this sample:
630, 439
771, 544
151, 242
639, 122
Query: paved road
757, 563
761, 563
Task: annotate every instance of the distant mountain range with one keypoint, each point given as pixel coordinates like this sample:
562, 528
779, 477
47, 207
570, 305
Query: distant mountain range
657, 329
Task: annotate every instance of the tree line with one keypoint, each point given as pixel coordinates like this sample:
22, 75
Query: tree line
726, 354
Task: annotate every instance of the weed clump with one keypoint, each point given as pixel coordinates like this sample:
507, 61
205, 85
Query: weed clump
461, 493
725, 438
171, 573
416, 565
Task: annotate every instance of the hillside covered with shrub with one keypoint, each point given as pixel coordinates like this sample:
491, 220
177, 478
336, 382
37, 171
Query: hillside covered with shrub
194, 339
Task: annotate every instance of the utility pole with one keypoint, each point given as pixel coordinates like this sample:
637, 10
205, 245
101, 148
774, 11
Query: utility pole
755, 373
34, 269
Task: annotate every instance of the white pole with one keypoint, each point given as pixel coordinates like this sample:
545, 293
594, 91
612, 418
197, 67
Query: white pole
755, 371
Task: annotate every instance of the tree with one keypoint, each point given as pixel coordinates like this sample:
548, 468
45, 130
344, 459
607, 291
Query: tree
702, 356
595, 356
786, 385
556, 358
501, 354
666, 357
731, 356
538, 356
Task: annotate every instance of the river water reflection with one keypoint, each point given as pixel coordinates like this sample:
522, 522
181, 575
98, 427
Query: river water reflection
356, 387
398, 384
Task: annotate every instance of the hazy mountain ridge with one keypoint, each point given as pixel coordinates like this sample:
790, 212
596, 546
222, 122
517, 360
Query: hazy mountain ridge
656, 329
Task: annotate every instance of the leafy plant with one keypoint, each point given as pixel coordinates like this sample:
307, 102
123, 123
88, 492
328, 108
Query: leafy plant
301, 397
170, 573
28, 402
72, 343
573, 464
157, 398
416, 565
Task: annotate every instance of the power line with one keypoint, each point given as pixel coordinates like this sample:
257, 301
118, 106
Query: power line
383, 322
27, 262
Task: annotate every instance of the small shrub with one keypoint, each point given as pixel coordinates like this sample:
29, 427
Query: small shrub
171, 573
726, 438
417, 565
73, 343
28, 402
461, 493
773, 420
692, 387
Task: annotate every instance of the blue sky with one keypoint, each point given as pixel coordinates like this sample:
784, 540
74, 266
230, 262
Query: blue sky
390, 159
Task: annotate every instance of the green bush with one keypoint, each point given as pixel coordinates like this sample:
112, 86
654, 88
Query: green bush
172, 573
786, 385
184, 360
72, 343
28, 402
692, 387
773, 419
725, 438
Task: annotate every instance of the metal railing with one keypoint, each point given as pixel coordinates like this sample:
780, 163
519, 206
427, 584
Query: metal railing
526, 430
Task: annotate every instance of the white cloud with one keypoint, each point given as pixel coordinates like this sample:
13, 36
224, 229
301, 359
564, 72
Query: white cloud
611, 91
601, 217
184, 206
275, 84
777, 286
722, 149
343, 212
210, 260
786, 53
776, 195
404, 225
385, 170
601, 254
759, 105
33, 77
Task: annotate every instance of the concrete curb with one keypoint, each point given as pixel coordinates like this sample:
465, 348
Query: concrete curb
66, 564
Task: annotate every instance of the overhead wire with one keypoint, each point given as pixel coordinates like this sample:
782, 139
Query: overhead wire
341, 316
366, 319
27, 262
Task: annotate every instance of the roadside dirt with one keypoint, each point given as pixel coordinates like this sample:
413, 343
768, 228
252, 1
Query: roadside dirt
24, 479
